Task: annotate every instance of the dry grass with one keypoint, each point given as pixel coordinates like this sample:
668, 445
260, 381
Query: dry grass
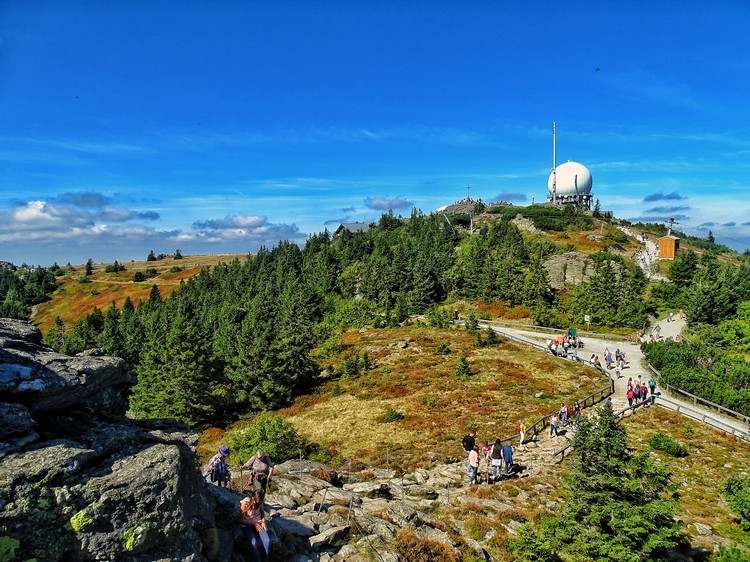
73, 300
438, 407
713, 456
413, 548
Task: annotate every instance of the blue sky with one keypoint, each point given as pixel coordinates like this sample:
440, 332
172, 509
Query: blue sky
217, 127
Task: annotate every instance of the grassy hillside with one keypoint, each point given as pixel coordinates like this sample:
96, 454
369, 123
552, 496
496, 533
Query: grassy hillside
73, 300
346, 415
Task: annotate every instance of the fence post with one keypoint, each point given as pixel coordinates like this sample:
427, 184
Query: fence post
300, 462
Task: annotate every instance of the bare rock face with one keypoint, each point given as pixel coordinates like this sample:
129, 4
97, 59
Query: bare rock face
44, 380
570, 269
80, 481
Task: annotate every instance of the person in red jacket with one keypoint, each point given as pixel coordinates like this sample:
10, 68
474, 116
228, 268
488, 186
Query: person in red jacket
631, 397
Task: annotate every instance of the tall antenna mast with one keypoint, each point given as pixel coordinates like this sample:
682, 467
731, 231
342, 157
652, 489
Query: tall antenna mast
554, 163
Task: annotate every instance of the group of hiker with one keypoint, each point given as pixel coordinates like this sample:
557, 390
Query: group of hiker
498, 455
252, 517
495, 455
638, 391
565, 345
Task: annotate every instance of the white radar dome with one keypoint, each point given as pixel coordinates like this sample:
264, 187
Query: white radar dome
572, 179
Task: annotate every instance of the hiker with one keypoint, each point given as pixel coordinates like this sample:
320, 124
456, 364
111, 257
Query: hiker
496, 457
577, 411
652, 386
486, 451
644, 391
468, 443
217, 470
262, 470
631, 396
597, 362
637, 392
508, 458
563, 414
554, 425
253, 525
521, 427
473, 466
630, 383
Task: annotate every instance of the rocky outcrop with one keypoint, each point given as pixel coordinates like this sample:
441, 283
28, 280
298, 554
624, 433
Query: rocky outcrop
80, 481
570, 269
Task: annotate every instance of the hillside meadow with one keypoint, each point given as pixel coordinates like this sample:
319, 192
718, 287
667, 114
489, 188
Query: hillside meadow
347, 414
73, 300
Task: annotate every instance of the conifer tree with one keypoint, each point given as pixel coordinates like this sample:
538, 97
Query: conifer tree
110, 338
55, 336
619, 507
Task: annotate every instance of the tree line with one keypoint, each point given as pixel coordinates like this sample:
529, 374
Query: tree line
236, 339
711, 362
20, 290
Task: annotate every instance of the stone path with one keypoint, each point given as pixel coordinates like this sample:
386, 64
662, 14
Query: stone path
635, 368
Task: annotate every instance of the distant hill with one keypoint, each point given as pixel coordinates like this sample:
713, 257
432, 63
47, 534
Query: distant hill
74, 299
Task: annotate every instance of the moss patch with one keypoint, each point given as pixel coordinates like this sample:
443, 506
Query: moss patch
81, 521
134, 537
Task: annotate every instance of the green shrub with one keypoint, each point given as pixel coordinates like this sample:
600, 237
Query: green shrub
336, 390
442, 349
732, 555
472, 324
270, 433
736, 490
138, 277
114, 267
392, 415
176, 268
665, 443
463, 370
439, 317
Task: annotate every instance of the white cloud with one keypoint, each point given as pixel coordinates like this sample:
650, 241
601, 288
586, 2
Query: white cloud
387, 203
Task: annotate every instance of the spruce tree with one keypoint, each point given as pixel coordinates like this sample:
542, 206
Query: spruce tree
619, 508
463, 370
110, 338
55, 336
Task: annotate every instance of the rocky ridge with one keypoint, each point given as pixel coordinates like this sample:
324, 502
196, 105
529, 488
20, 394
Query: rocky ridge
81, 481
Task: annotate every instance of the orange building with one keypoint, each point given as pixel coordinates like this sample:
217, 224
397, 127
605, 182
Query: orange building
668, 247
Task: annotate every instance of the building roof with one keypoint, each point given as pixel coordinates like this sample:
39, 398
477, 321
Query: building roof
669, 236
353, 227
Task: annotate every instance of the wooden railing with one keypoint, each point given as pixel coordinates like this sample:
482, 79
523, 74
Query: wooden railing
553, 331
542, 423
697, 400
620, 414
703, 417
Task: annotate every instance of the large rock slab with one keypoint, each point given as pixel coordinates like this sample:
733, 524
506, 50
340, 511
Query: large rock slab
43, 380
